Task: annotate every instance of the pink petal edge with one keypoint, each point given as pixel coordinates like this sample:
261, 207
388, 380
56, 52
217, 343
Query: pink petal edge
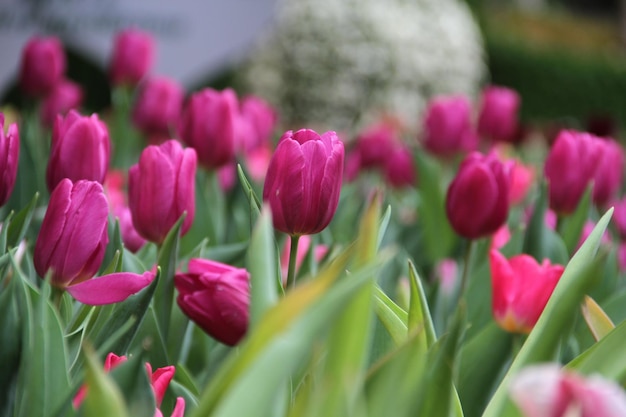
111, 288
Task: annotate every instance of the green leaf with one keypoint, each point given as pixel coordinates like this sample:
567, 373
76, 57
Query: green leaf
536, 238
571, 227
419, 317
391, 316
20, 222
103, 398
598, 321
132, 380
11, 345
253, 199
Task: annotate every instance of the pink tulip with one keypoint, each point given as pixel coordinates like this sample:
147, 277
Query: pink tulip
158, 107
477, 203
161, 187
114, 189
80, 149
259, 121
520, 290
210, 125
227, 177
376, 144
399, 169
65, 96
587, 229
216, 297
160, 380
257, 162
304, 181
607, 179
501, 237
522, 178
111, 361
447, 275
570, 167
498, 118
9, 158
42, 66
447, 126
133, 54
304, 244
549, 391
619, 218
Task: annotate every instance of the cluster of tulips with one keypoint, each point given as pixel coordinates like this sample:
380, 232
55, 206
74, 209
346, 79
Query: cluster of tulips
152, 203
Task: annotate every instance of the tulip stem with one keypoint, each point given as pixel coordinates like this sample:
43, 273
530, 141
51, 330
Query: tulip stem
293, 254
466, 267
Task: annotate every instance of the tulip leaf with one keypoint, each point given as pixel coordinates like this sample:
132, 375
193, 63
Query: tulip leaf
598, 321
543, 340
113, 257
419, 314
571, 227
3, 233
11, 345
391, 316
20, 222
253, 199
536, 239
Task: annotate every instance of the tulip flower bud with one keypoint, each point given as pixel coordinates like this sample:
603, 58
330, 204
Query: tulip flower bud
209, 125
607, 179
133, 53
9, 157
43, 65
477, 203
498, 119
157, 110
399, 170
375, 145
569, 167
260, 120
216, 297
65, 96
521, 289
160, 188
80, 149
73, 234
303, 181
447, 126
619, 218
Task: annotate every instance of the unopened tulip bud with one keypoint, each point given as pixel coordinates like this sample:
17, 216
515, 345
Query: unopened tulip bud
399, 169
133, 53
157, 110
498, 118
260, 121
43, 65
9, 158
447, 126
607, 179
65, 96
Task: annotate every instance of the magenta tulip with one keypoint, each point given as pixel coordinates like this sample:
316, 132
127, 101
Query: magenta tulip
9, 158
210, 125
607, 180
259, 121
498, 118
161, 187
157, 110
303, 181
447, 126
375, 145
619, 218
216, 297
65, 96
477, 203
42, 66
133, 53
399, 169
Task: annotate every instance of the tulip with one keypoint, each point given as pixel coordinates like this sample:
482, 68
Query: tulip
157, 110
477, 203
447, 126
9, 157
65, 96
42, 66
259, 121
520, 289
547, 390
569, 168
304, 181
80, 149
161, 187
607, 179
209, 125
216, 297
619, 218
399, 170
319, 251
522, 177
375, 145
133, 53
160, 380
498, 119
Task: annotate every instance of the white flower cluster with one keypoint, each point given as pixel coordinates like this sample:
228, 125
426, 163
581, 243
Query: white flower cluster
336, 64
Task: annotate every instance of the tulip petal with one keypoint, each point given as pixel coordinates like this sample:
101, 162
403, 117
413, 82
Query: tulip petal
109, 289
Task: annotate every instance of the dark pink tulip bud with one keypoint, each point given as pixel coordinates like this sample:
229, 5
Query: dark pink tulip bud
477, 203
399, 169
43, 65
498, 118
65, 96
376, 144
210, 125
569, 168
133, 53
9, 158
216, 297
619, 218
303, 181
447, 126
157, 110
161, 187
259, 121
607, 180
80, 149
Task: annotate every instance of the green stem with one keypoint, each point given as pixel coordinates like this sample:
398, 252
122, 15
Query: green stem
293, 254
466, 267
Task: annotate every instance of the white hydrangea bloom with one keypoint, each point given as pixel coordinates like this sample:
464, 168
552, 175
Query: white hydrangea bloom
336, 64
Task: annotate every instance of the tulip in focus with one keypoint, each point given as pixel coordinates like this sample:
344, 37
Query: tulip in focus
477, 203
303, 181
42, 66
9, 158
161, 187
210, 125
607, 180
216, 297
133, 53
447, 126
65, 96
156, 112
80, 149
521, 289
498, 118
548, 391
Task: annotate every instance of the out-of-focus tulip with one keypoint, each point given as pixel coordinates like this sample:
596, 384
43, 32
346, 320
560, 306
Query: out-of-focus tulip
133, 53
304, 244
501, 237
522, 177
477, 203
607, 179
209, 125
619, 218
569, 168
621, 257
447, 126
547, 391
161, 187
447, 275
216, 297
9, 158
157, 110
227, 176
587, 229
111, 361
498, 118
259, 120
257, 162
42, 66
114, 188
375, 145
521, 289
160, 380
303, 181
65, 96
399, 169
80, 149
